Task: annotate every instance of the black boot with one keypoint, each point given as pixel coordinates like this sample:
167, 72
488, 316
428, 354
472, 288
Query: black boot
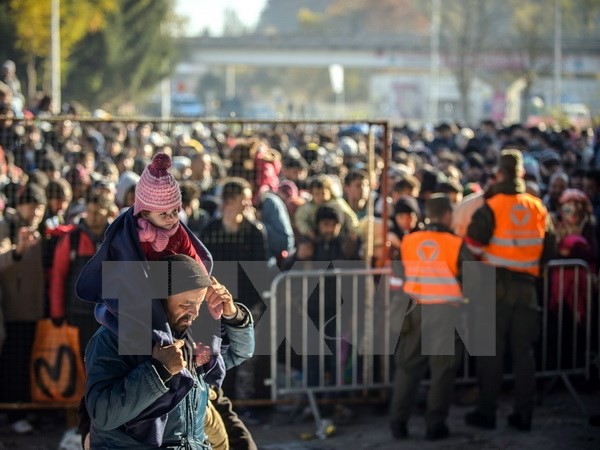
479, 420
399, 430
519, 422
436, 433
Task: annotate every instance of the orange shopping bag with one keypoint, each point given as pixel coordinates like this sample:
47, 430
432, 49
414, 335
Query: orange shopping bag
56, 371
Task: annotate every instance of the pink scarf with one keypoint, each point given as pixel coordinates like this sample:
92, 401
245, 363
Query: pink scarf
158, 237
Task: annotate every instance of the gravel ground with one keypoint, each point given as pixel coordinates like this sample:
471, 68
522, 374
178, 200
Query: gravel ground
557, 425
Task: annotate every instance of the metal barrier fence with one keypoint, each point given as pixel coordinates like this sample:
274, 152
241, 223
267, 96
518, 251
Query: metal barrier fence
315, 366
567, 323
308, 307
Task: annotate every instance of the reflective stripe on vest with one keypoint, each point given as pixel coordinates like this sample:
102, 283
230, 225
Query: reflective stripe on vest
396, 283
519, 242
430, 265
518, 239
433, 280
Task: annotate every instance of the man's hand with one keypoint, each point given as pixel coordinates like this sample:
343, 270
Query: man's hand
170, 356
203, 353
27, 238
5, 246
219, 301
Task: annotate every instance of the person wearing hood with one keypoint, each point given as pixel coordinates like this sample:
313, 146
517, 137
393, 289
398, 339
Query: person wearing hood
160, 399
125, 185
323, 193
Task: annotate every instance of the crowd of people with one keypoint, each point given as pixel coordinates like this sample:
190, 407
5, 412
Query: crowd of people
279, 194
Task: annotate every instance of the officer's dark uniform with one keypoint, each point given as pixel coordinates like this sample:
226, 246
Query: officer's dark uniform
514, 233
430, 265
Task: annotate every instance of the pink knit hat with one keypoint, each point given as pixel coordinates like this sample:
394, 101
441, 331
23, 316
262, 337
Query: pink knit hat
157, 190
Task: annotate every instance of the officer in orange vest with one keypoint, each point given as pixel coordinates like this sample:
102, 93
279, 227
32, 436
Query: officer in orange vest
430, 264
513, 232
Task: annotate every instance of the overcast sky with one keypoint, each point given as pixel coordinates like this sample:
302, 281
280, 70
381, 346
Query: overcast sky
209, 13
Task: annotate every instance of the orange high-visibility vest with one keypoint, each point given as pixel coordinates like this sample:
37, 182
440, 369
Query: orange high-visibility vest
518, 239
430, 265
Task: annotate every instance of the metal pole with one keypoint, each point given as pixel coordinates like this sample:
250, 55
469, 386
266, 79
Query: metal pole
557, 53
434, 73
384, 191
165, 98
55, 54
369, 288
230, 81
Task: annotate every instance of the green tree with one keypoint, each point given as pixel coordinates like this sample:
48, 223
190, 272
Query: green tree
31, 19
582, 16
8, 48
127, 58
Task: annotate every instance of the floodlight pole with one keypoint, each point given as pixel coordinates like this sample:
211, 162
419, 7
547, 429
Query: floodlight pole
557, 53
55, 54
434, 72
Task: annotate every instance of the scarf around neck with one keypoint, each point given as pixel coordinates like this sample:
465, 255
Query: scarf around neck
158, 237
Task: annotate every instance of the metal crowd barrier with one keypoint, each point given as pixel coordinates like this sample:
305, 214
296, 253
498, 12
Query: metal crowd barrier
291, 293
566, 345
567, 324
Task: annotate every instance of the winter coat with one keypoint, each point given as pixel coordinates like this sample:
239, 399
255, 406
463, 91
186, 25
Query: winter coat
121, 243
22, 282
574, 281
121, 388
274, 216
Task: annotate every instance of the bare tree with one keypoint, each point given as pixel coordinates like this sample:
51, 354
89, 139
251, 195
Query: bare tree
232, 24
533, 27
466, 27
532, 22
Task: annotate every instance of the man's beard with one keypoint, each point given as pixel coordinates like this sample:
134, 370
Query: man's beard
179, 325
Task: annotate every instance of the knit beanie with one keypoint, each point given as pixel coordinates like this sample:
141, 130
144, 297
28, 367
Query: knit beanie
157, 190
186, 274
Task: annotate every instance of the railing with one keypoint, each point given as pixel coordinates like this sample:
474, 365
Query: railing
303, 300
567, 323
293, 321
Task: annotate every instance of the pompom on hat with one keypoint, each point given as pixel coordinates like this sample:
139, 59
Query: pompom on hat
157, 190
